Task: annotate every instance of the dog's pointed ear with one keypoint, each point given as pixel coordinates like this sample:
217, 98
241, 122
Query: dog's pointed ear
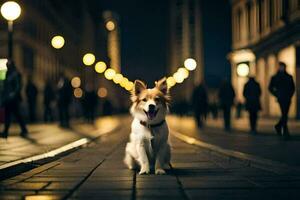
162, 85
139, 86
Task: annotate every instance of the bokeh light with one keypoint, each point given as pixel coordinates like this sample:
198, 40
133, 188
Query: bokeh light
190, 64
78, 92
183, 72
110, 25
109, 74
171, 81
178, 77
118, 78
243, 70
75, 82
102, 92
129, 85
58, 42
10, 10
100, 67
124, 82
88, 59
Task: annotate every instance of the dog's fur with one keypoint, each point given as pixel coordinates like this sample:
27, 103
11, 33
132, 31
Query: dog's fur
148, 146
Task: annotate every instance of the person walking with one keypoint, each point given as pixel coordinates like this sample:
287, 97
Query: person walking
12, 99
49, 97
64, 90
252, 93
200, 104
282, 87
226, 99
31, 94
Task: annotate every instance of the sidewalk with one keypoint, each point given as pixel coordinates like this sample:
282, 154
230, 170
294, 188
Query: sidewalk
43, 138
265, 144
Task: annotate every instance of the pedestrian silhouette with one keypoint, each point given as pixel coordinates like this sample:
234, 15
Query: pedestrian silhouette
282, 87
90, 103
31, 95
200, 104
11, 99
239, 108
49, 97
226, 99
252, 93
64, 91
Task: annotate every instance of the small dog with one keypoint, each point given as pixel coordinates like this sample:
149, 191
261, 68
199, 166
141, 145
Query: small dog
148, 147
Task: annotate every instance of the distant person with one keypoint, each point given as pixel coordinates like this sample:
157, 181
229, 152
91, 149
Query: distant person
282, 87
64, 92
12, 98
226, 99
200, 104
252, 93
107, 107
90, 104
31, 95
49, 97
239, 108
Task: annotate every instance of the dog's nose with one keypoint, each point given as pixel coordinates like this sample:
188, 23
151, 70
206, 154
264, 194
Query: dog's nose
151, 107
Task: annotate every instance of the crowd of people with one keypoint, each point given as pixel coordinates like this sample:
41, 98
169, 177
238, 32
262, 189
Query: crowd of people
281, 86
56, 97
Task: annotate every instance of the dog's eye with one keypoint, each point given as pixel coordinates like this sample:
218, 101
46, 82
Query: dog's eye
144, 99
157, 98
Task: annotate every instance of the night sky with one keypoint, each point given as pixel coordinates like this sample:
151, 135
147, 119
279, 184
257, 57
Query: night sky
144, 37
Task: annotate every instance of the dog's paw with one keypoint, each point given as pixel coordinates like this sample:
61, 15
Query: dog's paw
160, 171
144, 170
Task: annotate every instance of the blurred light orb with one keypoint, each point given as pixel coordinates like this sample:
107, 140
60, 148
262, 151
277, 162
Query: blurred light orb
58, 42
118, 78
129, 86
109, 74
78, 92
102, 92
124, 82
88, 59
179, 78
190, 64
243, 70
100, 67
10, 10
110, 25
171, 81
75, 82
183, 72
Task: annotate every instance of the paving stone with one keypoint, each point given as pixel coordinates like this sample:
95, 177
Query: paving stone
216, 184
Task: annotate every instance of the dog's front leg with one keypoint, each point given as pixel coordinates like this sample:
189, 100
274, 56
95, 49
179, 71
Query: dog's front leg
143, 159
160, 160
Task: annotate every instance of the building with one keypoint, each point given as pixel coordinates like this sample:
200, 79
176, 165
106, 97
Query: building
185, 41
33, 31
265, 32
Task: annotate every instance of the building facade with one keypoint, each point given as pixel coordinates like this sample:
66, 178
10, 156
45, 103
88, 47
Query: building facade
265, 32
185, 41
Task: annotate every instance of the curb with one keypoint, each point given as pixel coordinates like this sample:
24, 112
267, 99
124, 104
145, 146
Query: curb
248, 159
21, 165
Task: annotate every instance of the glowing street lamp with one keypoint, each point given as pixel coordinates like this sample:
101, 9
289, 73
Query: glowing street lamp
129, 86
109, 74
10, 11
100, 67
171, 81
190, 64
78, 93
243, 70
88, 59
102, 92
58, 42
183, 72
179, 78
110, 25
118, 78
124, 82
75, 82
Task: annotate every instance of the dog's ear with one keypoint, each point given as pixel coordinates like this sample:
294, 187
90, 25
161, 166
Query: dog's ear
162, 85
139, 86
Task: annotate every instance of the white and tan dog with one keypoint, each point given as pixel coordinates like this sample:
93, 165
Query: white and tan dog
148, 146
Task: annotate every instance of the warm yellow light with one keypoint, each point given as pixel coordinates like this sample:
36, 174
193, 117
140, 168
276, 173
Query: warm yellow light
100, 67
178, 77
10, 10
183, 72
171, 81
39, 197
129, 86
110, 25
109, 74
102, 92
243, 70
190, 64
88, 59
118, 78
124, 82
75, 82
78, 92
58, 42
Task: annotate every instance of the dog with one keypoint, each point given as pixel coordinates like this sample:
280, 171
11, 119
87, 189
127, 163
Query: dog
148, 147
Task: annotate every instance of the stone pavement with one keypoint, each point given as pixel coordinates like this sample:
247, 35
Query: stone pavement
265, 144
43, 138
97, 172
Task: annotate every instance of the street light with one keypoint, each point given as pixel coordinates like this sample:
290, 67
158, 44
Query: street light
10, 11
88, 59
58, 42
243, 70
110, 25
190, 64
